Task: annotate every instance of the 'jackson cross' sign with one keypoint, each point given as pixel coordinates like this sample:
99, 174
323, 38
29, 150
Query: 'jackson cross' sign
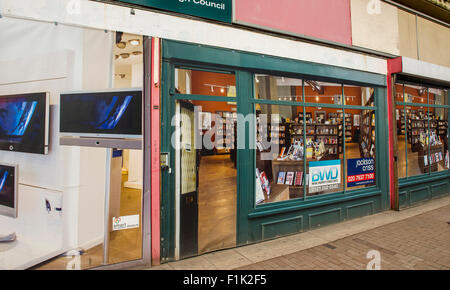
220, 10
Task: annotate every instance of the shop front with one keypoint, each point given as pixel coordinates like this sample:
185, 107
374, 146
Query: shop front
420, 128
73, 129
260, 146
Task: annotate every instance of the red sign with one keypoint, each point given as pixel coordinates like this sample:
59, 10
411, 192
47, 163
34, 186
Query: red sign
323, 19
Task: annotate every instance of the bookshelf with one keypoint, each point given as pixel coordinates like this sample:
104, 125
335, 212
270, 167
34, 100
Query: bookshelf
367, 142
226, 132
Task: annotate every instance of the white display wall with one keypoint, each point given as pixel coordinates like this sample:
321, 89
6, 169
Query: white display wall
44, 57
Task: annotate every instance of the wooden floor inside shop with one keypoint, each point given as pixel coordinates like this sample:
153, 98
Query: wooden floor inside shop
216, 203
125, 245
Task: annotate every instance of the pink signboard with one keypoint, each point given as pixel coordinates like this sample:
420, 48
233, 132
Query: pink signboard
322, 19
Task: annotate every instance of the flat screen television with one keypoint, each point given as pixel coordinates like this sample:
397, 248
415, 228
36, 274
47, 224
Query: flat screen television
8, 189
113, 114
24, 123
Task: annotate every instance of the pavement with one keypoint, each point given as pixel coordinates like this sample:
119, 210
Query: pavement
413, 238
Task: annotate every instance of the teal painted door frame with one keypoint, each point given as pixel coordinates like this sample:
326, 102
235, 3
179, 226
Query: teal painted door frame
250, 218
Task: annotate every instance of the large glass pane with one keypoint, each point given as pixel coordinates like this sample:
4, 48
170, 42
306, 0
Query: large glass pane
400, 118
360, 145
278, 88
439, 139
324, 151
198, 82
417, 129
279, 153
322, 92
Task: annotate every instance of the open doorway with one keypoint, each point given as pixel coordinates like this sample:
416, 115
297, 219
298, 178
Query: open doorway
206, 176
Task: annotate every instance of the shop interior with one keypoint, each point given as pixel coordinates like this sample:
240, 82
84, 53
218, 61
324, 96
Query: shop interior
422, 132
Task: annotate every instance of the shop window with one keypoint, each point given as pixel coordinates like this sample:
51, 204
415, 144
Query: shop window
423, 143
278, 88
206, 83
337, 142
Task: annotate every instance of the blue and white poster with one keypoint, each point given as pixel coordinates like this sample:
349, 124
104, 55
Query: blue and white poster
360, 171
324, 175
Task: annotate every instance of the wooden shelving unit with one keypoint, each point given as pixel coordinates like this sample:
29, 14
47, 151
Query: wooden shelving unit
367, 142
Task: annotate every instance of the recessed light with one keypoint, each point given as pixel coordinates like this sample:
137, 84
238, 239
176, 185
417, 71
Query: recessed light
125, 55
137, 52
134, 42
121, 45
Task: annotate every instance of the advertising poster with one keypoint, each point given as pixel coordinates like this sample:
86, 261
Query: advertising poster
360, 171
324, 175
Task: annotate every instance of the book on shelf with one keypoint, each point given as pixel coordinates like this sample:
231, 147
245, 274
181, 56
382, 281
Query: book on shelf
259, 196
425, 160
281, 177
290, 178
298, 178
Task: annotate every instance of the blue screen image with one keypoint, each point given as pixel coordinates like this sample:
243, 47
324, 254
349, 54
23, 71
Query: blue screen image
15, 117
3, 180
110, 114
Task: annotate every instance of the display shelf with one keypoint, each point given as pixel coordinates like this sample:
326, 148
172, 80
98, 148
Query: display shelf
289, 166
429, 158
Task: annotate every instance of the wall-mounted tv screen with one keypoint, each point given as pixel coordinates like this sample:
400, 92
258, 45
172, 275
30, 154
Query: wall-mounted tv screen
8, 189
24, 123
115, 114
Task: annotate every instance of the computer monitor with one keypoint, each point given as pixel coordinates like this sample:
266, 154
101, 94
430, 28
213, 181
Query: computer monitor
8, 189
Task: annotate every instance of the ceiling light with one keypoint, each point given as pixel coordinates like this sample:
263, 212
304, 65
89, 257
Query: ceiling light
134, 42
222, 90
317, 98
121, 45
137, 52
116, 56
125, 55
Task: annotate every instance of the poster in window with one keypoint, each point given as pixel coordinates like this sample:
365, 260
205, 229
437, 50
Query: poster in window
324, 175
360, 171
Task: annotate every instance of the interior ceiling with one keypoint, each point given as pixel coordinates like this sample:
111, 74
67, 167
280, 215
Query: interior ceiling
132, 59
